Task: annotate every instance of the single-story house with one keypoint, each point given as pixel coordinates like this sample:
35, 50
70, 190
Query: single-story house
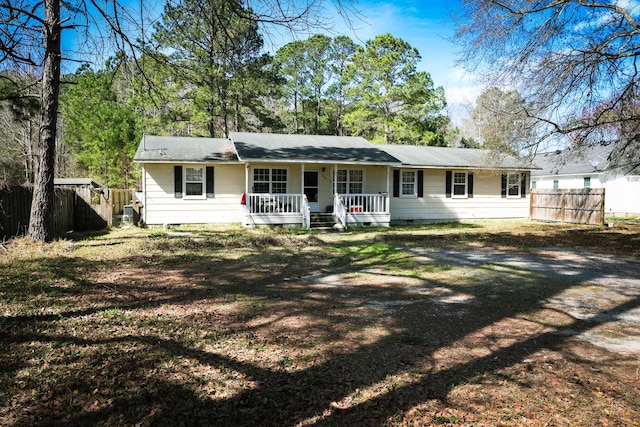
590, 167
274, 179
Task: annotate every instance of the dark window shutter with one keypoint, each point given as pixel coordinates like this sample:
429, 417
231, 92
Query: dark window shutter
448, 183
470, 184
523, 185
420, 183
177, 181
210, 192
504, 185
396, 183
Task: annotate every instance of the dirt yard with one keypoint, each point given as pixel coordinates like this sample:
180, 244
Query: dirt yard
463, 324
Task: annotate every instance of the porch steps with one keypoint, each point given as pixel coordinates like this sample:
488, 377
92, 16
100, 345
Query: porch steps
323, 221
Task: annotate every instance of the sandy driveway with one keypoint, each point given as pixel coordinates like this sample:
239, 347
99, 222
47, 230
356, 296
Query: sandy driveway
601, 290
601, 286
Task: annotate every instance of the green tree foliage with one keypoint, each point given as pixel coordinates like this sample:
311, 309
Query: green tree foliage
342, 50
394, 102
31, 35
213, 51
100, 127
312, 92
503, 123
289, 63
336, 87
318, 55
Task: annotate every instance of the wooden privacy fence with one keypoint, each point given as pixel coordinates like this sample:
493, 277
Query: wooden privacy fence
75, 208
576, 206
119, 199
15, 209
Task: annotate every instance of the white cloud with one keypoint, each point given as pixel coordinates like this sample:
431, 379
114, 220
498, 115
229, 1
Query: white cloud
632, 6
465, 95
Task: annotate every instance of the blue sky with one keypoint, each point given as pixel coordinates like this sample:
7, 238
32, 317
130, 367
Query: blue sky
427, 26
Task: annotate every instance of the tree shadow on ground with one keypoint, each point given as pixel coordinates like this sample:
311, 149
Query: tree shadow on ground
130, 370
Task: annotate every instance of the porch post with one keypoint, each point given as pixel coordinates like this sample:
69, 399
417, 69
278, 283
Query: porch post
335, 179
388, 207
246, 178
301, 184
246, 191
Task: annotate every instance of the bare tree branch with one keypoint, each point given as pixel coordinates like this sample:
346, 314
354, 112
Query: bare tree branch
576, 60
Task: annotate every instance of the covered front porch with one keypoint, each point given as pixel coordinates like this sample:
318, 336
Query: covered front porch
290, 195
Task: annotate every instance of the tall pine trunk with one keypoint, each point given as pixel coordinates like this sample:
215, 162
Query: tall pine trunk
318, 111
41, 220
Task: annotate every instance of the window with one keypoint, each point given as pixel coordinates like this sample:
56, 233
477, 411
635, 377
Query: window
408, 184
555, 184
194, 181
266, 180
279, 181
534, 184
587, 182
459, 184
350, 181
513, 185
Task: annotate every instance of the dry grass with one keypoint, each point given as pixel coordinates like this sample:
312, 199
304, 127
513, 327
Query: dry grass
374, 327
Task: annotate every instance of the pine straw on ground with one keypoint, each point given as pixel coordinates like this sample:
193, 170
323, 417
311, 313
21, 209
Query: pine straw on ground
374, 327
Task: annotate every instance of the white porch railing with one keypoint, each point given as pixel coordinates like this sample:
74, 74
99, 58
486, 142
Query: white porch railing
262, 203
365, 203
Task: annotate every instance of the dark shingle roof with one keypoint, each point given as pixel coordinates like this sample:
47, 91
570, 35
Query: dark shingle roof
576, 160
184, 149
266, 147
308, 148
445, 157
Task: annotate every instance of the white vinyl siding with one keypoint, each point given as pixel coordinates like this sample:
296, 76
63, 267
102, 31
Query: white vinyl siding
486, 203
162, 207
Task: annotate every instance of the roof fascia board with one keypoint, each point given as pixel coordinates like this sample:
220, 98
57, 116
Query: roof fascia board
478, 168
395, 165
189, 162
557, 175
323, 162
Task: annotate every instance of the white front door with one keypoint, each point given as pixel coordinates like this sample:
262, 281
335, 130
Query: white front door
311, 189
